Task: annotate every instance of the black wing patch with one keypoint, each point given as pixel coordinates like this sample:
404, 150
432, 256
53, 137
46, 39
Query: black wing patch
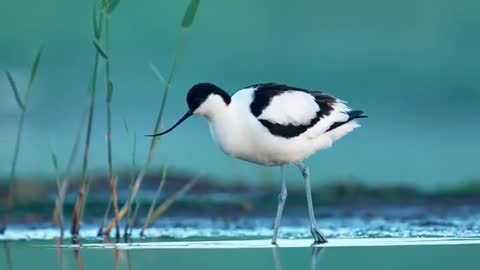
289, 131
263, 96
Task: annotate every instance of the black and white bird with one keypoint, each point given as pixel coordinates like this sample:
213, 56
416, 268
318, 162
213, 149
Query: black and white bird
274, 125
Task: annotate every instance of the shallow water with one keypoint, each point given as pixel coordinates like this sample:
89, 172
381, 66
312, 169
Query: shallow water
462, 220
32, 254
376, 237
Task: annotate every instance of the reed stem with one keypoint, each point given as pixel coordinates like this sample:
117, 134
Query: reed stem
23, 105
60, 198
109, 87
155, 140
83, 193
105, 218
128, 224
68, 170
13, 170
159, 211
154, 201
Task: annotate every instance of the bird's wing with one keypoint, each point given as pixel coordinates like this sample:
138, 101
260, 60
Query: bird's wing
289, 111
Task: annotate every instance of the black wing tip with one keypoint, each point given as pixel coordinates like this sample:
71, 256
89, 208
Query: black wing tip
355, 114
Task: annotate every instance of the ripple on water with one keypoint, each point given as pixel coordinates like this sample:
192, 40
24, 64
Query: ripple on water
386, 223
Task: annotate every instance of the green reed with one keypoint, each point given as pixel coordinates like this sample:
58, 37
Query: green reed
159, 211
186, 24
58, 218
154, 201
65, 178
83, 192
129, 222
22, 103
108, 8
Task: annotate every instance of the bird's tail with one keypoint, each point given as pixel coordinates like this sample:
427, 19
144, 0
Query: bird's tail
355, 114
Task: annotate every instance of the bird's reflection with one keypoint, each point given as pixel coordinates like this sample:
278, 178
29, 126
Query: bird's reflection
316, 252
276, 259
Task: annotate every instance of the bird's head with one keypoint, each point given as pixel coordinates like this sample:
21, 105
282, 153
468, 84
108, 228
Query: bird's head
203, 99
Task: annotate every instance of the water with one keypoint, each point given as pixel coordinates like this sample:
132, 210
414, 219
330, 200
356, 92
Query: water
28, 255
430, 236
431, 220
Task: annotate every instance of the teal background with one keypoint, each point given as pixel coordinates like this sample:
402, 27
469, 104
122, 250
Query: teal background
412, 65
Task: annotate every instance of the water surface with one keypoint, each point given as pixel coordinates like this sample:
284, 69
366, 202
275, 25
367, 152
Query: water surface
28, 255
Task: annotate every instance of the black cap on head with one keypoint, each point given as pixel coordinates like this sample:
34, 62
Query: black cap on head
195, 97
200, 92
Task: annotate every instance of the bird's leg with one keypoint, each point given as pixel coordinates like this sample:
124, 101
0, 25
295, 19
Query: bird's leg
282, 197
317, 235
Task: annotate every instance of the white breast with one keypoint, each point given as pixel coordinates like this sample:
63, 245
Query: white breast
231, 128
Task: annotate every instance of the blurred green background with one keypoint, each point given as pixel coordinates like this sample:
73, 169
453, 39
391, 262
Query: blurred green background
412, 65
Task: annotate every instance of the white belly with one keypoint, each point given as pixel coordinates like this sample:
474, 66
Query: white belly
252, 142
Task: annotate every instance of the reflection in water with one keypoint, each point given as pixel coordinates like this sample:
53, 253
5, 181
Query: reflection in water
276, 259
316, 251
119, 255
116, 253
8, 256
116, 265
151, 255
129, 260
61, 256
77, 253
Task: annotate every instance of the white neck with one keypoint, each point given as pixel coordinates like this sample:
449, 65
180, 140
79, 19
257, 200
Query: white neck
212, 107
224, 124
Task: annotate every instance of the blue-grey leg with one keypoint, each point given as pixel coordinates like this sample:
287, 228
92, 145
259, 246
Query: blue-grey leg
282, 197
317, 235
